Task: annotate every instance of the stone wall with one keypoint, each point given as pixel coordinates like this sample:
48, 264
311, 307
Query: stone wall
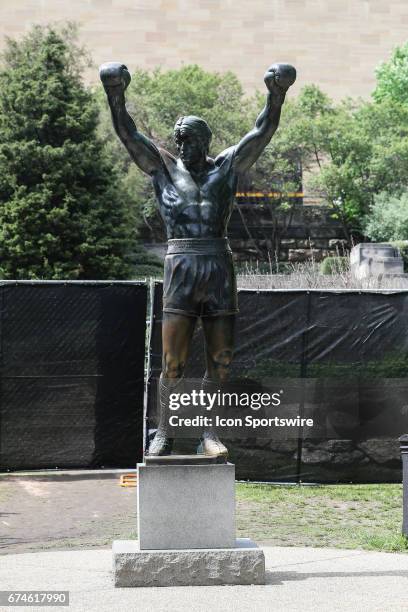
334, 43
312, 233
256, 235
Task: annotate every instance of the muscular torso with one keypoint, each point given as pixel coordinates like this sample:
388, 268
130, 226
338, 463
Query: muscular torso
196, 206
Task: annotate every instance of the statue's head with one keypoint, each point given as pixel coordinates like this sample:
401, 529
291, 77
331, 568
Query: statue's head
192, 137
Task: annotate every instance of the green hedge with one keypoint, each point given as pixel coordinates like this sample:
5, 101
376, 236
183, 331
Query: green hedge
334, 265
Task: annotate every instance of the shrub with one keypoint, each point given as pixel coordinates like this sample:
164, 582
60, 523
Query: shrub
335, 265
388, 218
145, 264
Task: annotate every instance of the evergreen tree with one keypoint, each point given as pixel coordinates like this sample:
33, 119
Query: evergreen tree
63, 211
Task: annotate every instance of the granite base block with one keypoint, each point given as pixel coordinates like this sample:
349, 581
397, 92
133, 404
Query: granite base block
133, 567
186, 506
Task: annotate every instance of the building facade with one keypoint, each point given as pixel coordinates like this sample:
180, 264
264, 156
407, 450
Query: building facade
334, 43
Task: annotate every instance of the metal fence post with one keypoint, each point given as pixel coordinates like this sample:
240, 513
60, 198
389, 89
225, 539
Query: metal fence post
403, 440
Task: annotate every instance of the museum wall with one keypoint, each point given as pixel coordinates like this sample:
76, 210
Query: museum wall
336, 44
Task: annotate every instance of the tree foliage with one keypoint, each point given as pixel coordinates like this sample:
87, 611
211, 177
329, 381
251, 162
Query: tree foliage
392, 77
63, 212
388, 218
349, 151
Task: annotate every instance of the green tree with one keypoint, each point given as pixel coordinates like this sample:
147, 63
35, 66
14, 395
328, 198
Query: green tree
350, 151
63, 211
392, 77
316, 134
388, 218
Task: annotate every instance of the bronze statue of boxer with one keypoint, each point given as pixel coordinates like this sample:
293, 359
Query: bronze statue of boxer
195, 194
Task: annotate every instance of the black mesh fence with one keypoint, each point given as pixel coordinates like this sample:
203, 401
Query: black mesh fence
346, 344
72, 371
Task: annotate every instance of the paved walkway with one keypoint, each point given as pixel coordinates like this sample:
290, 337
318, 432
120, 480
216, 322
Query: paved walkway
65, 509
298, 579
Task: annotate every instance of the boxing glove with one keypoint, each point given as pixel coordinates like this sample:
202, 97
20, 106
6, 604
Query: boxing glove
113, 74
279, 77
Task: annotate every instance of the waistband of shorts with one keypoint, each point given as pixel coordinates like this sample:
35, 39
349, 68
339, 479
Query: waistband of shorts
198, 246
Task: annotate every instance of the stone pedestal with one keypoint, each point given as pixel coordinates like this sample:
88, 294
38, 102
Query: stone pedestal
186, 506
186, 524
404, 454
133, 567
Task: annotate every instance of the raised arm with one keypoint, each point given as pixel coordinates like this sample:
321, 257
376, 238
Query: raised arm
115, 78
278, 78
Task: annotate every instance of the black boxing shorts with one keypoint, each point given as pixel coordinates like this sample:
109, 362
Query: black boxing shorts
199, 278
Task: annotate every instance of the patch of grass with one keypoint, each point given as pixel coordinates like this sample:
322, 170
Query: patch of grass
392, 542
342, 516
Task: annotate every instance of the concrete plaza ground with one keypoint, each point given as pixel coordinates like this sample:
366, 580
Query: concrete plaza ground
56, 531
298, 579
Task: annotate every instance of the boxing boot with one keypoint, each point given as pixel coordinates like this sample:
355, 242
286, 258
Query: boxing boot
211, 445
161, 443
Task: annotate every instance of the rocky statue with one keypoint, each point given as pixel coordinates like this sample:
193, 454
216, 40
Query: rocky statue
195, 195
